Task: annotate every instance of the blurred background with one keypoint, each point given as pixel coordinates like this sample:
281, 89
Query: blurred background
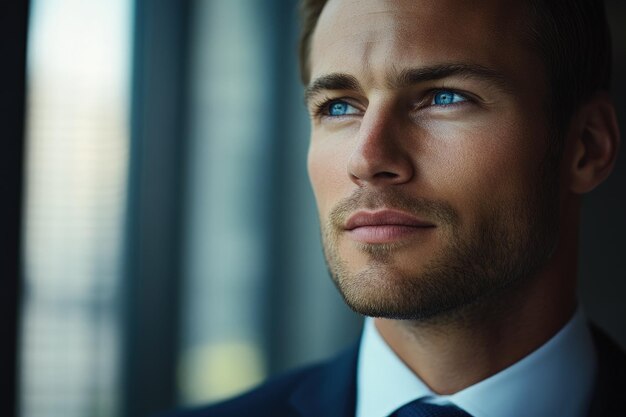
160, 241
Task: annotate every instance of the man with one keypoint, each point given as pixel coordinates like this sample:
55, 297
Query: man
451, 144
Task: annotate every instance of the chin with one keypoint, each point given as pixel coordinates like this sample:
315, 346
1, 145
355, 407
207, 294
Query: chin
383, 289
404, 285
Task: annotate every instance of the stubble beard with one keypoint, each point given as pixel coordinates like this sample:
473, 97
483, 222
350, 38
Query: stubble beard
470, 271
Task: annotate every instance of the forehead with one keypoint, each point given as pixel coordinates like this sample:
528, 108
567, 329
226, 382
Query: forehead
373, 37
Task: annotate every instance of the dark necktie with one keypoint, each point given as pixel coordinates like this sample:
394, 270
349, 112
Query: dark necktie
419, 408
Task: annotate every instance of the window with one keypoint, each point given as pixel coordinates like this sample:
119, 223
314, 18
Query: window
77, 145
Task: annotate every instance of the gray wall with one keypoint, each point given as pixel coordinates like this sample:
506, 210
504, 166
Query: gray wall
603, 247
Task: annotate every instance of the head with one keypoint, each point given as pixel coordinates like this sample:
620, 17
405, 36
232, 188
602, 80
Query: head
450, 141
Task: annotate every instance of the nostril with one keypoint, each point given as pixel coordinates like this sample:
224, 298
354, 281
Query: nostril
385, 175
380, 161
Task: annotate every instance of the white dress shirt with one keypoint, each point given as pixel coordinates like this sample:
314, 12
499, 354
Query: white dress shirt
555, 380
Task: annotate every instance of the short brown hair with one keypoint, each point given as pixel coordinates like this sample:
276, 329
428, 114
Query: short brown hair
572, 36
310, 11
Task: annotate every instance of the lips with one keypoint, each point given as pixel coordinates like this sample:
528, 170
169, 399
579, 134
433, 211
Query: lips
384, 226
384, 218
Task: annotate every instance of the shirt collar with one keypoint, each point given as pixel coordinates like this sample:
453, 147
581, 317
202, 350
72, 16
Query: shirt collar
555, 379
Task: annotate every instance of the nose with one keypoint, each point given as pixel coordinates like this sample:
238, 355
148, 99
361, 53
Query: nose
380, 158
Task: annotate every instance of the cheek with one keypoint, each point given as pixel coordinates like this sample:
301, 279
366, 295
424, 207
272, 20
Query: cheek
328, 173
478, 165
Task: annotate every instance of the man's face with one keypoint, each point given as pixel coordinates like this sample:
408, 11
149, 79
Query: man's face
427, 153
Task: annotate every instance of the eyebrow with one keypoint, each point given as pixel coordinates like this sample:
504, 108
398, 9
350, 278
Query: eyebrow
413, 76
409, 77
330, 82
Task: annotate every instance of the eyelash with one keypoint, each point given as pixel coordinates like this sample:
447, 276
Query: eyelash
320, 108
467, 98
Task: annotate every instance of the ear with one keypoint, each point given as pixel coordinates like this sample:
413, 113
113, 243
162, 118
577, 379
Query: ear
594, 140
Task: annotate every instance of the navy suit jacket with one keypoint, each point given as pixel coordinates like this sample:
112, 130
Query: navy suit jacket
329, 389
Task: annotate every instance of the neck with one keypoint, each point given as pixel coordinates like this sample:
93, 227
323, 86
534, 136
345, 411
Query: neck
471, 345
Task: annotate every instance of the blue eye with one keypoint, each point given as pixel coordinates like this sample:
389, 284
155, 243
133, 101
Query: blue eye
447, 97
340, 108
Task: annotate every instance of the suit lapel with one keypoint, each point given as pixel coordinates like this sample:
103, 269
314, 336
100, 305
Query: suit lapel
331, 390
609, 397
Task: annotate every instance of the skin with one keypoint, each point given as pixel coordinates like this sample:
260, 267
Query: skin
482, 159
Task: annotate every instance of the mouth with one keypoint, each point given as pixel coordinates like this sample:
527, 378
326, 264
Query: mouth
385, 226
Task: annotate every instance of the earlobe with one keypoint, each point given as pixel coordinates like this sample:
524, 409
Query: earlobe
595, 140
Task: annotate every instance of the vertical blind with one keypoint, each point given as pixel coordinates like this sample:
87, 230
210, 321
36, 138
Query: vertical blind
77, 140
